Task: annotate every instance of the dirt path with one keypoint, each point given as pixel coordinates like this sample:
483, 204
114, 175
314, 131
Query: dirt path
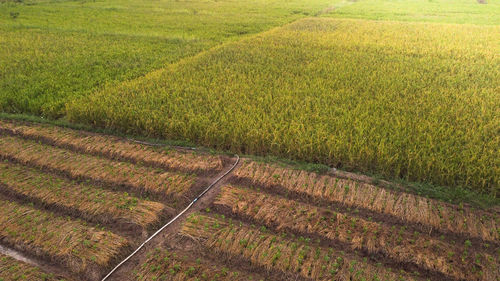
124, 272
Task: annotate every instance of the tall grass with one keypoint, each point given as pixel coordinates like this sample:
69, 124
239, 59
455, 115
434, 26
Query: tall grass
417, 101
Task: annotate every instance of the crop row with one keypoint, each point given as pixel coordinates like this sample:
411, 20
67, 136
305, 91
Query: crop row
169, 265
113, 147
80, 248
461, 262
11, 269
407, 207
137, 179
81, 200
294, 257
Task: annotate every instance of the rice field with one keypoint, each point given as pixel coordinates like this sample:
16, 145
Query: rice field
11, 269
68, 204
115, 148
402, 90
80, 166
477, 12
73, 202
94, 204
367, 134
53, 51
396, 99
82, 249
162, 264
278, 222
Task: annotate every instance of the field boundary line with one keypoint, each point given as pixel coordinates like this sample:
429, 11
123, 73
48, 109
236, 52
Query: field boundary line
175, 218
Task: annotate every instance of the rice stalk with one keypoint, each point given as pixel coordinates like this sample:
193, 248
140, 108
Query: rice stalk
408, 207
275, 253
81, 200
114, 148
139, 179
82, 249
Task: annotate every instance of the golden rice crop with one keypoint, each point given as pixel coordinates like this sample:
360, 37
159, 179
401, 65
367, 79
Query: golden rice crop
85, 201
80, 248
400, 244
113, 147
273, 252
408, 207
11, 269
52, 52
417, 101
137, 178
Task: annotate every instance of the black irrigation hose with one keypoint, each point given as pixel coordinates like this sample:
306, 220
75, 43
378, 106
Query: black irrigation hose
175, 218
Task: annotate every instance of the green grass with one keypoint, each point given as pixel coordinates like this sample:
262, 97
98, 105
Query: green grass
417, 101
55, 50
444, 11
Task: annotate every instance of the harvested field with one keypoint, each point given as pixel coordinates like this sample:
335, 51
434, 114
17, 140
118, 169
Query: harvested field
295, 257
81, 200
81, 203
401, 245
71, 243
115, 148
137, 179
168, 265
410, 208
11, 269
294, 225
